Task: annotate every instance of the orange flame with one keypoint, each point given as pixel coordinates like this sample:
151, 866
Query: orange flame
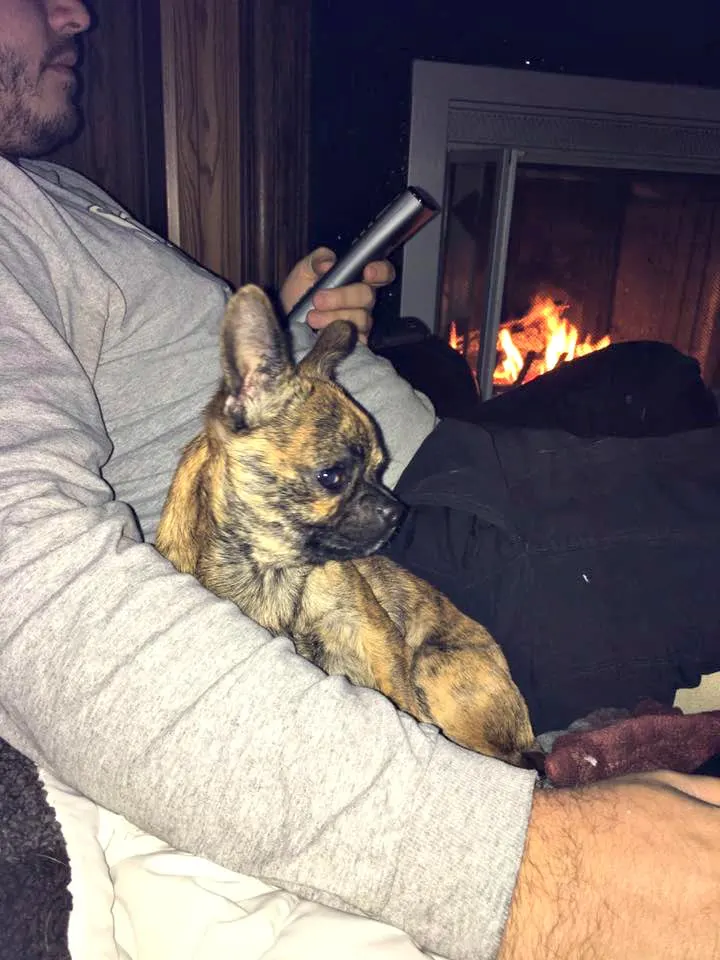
468, 346
530, 345
545, 332
456, 342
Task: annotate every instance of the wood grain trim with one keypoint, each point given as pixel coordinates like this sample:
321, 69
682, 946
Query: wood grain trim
170, 128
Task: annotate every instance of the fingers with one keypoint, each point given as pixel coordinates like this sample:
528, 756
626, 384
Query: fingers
352, 297
319, 261
353, 302
304, 275
379, 273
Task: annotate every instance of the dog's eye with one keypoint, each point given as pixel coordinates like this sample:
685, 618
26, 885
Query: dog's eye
332, 478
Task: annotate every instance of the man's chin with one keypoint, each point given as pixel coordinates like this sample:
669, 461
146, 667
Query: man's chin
42, 135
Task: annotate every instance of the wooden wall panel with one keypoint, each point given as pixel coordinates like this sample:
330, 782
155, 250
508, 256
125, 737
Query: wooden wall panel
236, 93
202, 104
275, 72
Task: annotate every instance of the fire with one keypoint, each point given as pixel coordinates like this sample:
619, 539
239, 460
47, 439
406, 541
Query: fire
531, 345
538, 342
468, 346
454, 340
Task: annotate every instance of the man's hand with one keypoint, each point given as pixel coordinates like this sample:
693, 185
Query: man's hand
353, 302
627, 868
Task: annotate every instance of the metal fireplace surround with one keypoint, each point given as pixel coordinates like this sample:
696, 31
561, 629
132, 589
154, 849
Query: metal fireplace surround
537, 118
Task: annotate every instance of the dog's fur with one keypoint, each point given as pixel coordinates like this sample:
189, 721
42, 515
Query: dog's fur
277, 506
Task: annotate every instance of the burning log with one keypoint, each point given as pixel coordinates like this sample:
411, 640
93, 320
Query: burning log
528, 346
539, 341
530, 358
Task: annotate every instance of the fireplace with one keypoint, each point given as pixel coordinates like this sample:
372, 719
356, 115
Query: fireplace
577, 213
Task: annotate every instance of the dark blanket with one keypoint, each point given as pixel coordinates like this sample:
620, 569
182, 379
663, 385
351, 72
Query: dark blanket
612, 743
595, 563
34, 869
635, 389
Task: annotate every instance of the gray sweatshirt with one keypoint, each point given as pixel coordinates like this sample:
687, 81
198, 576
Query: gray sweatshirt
139, 688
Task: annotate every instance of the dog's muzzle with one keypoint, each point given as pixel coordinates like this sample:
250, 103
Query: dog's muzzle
390, 512
379, 513
365, 525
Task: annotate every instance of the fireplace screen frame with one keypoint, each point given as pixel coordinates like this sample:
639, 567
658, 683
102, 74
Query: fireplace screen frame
461, 111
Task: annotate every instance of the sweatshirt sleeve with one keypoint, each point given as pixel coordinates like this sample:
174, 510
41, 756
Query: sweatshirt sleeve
136, 686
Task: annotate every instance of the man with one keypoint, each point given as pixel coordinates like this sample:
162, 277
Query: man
152, 697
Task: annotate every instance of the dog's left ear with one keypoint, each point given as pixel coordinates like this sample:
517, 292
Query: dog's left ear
332, 346
255, 354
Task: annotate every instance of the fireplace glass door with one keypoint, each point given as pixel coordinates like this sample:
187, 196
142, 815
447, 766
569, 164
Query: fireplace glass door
543, 263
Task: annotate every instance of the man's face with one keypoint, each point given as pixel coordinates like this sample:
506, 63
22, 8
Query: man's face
37, 82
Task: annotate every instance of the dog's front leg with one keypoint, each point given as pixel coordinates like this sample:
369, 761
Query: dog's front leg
343, 629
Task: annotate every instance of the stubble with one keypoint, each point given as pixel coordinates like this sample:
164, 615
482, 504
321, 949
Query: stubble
25, 129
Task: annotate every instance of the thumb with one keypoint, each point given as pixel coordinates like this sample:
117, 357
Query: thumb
320, 261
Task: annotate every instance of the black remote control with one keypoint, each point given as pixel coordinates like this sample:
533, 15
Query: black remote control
400, 220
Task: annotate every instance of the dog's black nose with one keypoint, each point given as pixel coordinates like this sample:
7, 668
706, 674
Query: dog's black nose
390, 511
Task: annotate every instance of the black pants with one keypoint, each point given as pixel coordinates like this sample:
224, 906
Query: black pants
595, 563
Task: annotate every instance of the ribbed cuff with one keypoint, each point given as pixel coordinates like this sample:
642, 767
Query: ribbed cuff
461, 852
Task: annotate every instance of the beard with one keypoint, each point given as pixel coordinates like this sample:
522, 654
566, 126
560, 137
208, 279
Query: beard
26, 127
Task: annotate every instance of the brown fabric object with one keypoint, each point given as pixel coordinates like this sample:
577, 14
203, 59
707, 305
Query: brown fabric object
655, 737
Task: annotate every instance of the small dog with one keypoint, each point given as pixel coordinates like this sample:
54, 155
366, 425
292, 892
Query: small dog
276, 505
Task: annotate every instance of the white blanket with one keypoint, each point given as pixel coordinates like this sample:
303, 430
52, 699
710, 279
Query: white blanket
135, 898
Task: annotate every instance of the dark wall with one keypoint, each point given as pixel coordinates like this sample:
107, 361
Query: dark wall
362, 55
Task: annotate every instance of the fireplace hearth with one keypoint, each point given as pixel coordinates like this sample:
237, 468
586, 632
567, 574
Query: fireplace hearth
578, 213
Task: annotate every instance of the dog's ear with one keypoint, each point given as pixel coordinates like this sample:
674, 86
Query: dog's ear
332, 346
255, 354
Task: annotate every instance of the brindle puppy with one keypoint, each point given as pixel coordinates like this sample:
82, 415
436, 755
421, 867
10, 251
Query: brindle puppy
277, 506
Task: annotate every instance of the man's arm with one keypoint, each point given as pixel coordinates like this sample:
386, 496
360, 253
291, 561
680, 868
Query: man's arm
142, 690
625, 868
